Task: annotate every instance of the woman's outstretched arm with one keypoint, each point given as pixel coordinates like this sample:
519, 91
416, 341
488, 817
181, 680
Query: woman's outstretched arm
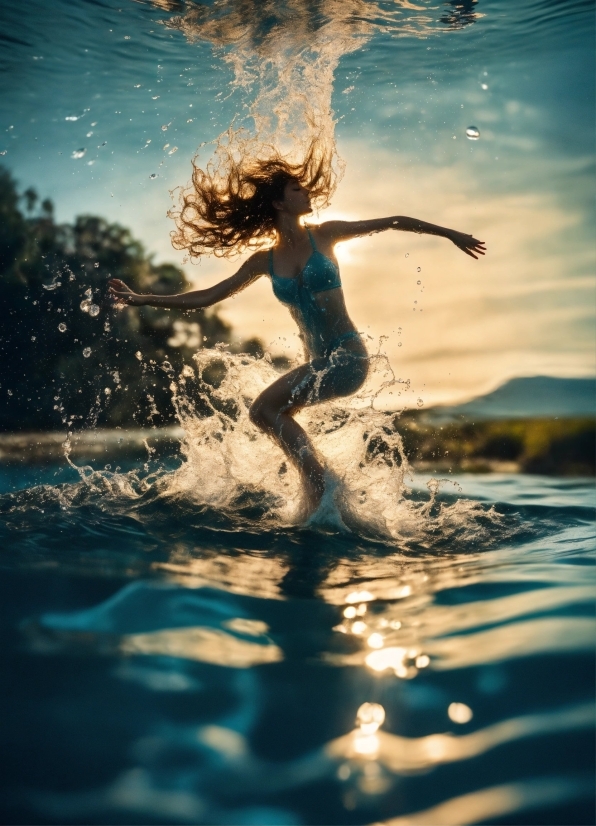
344, 230
252, 269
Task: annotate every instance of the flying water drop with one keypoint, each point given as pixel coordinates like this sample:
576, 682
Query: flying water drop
87, 352
62, 327
472, 133
79, 153
85, 305
93, 310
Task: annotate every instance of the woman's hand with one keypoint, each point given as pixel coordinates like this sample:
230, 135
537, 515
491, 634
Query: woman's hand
123, 295
466, 243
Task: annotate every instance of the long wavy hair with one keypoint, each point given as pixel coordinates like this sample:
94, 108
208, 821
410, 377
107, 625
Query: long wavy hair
228, 207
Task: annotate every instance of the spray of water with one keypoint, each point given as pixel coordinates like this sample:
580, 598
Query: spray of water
232, 468
284, 55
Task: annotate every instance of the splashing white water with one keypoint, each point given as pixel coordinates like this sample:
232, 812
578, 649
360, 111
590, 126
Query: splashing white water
284, 56
229, 464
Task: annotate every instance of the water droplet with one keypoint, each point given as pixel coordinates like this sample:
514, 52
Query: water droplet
93, 310
96, 265
189, 120
79, 153
89, 134
84, 305
62, 327
172, 150
33, 338
155, 97
420, 402
127, 37
153, 175
165, 146
399, 343
419, 282
418, 269
88, 292
4, 151
87, 352
164, 128
407, 254
472, 133
107, 391
139, 355
71, 117
484, 86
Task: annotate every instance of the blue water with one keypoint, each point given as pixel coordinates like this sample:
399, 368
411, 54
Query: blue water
168, 663
174, 648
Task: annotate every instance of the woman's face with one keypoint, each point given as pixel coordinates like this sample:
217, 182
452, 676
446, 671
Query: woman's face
296, 200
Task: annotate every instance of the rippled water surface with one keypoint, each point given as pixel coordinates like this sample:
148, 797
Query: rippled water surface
171, 663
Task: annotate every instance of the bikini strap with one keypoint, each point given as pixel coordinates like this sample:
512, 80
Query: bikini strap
312, 240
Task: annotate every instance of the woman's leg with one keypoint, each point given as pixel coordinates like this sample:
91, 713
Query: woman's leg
340, 374
273, 413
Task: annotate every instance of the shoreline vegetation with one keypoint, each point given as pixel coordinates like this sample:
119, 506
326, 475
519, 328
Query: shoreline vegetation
563, 447
68, 361
70, 364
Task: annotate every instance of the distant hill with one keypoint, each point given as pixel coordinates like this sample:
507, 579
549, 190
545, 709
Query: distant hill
528, 397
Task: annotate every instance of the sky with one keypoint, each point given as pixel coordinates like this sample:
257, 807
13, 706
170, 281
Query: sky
140, 86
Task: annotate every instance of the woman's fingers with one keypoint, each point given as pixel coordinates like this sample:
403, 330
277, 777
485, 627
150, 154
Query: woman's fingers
118, 283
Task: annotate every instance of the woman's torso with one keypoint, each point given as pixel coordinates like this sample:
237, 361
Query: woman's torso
315, 299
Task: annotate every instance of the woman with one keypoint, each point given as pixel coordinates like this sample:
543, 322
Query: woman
266, 202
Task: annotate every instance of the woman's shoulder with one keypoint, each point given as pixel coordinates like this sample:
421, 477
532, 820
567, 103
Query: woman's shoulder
326, 231
258, 262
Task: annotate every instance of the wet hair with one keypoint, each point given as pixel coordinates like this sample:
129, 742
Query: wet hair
228, 208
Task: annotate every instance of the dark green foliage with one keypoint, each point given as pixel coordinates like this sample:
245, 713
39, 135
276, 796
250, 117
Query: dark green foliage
565, 447
46, 271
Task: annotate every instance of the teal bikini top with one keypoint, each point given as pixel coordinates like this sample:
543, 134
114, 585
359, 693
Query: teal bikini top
319, 274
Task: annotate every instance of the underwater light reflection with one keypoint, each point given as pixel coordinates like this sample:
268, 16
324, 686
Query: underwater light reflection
210, 645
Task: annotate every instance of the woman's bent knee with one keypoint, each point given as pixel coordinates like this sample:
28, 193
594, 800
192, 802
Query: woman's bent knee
261, 414
265, 416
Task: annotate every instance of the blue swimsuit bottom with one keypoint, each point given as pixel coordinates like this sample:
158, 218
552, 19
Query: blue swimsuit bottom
336, 370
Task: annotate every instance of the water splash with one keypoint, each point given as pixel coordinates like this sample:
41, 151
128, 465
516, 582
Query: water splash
284, 57
231, 467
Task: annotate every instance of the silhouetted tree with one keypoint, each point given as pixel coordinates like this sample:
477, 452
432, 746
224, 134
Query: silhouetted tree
66, 356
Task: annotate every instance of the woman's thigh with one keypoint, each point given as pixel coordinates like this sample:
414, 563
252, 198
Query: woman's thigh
321, 380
